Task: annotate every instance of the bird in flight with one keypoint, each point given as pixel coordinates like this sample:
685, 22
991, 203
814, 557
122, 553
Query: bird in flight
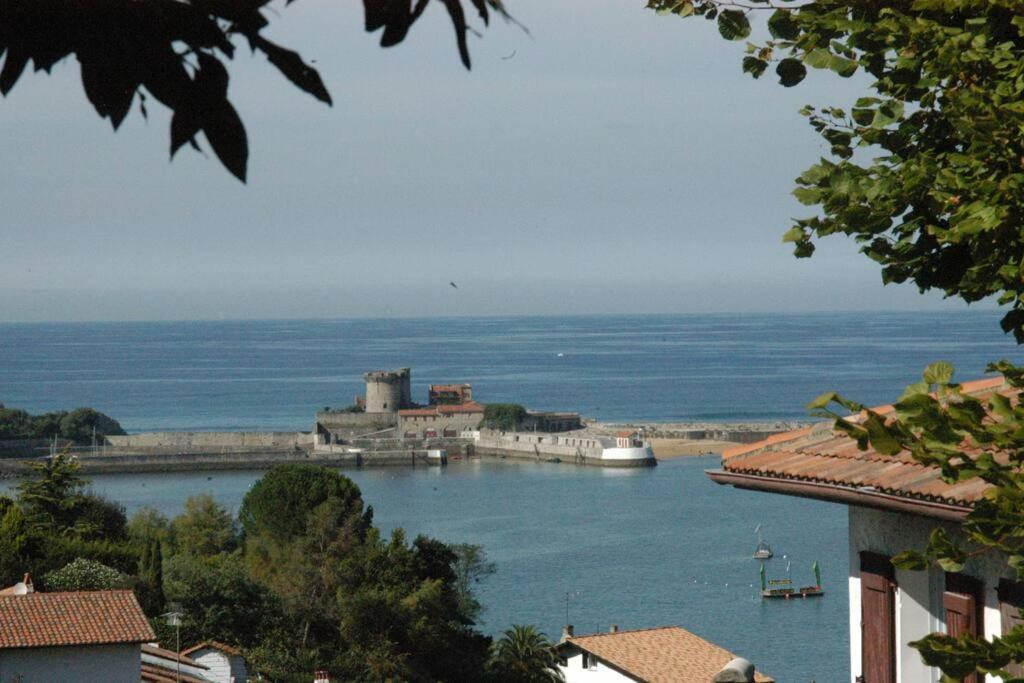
454, 286
510, 56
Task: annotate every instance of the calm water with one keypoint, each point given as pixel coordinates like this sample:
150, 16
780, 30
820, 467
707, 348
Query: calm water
274, 374
634, 548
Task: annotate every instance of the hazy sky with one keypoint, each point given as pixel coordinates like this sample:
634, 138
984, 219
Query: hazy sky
619, 162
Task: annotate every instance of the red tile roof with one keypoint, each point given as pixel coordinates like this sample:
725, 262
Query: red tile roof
831, 461
73, 618
669, 654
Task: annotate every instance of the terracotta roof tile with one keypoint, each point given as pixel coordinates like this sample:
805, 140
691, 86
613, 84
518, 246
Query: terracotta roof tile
669, 654
73, 618
820, 454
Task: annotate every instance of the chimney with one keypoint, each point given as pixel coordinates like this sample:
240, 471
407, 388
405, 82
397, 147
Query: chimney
566, 633
614, 628
321, 677
738, 670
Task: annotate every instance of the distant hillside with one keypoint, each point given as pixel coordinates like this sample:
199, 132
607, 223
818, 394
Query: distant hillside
76, 425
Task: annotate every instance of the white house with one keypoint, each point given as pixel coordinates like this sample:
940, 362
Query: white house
224, 663
894, 504
166, 666
88, 637
668, 654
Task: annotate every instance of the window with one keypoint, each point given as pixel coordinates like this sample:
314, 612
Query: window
962, 603
877, 619
588, 661
1011, 601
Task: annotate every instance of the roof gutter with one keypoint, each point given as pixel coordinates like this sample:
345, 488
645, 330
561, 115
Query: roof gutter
847, 495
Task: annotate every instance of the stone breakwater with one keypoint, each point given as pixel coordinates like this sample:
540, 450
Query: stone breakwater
737, 432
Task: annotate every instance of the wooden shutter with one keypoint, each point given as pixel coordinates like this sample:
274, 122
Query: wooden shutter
962, 603
877, 619
1011, 602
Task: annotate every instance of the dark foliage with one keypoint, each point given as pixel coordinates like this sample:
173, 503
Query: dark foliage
175, 51
76, 425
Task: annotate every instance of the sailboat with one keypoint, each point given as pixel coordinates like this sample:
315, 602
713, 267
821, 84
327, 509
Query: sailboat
763, 551
783, 588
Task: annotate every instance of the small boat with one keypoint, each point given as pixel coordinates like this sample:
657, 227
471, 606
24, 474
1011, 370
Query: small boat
763, 551
783, 588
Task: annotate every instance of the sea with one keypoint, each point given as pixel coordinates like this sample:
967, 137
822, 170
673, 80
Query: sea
590, 547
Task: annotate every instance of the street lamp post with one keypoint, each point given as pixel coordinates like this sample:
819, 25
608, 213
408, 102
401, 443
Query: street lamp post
174, 619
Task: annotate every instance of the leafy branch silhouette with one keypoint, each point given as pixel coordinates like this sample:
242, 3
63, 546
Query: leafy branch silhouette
176, 52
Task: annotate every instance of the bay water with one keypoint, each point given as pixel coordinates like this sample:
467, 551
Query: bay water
635, 548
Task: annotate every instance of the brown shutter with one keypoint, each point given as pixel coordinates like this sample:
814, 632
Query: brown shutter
877, 619
1011, 602
962, 603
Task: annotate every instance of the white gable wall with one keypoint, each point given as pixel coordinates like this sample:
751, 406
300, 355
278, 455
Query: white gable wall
120, 663
598, 672
919, 594
222, 667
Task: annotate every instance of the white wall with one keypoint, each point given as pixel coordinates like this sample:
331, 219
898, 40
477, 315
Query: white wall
597, 673
82, 664
223, 669
919, 594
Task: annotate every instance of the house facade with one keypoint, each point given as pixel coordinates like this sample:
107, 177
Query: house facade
223, 663
87, 636
668, 654
894, 505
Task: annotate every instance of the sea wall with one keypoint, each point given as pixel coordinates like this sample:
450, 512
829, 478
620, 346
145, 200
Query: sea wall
192, 462
206, 441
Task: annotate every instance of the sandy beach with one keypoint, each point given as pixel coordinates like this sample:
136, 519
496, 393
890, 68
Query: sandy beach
667, 449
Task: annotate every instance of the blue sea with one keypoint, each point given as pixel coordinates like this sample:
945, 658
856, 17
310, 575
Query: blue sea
635, 548
275, 374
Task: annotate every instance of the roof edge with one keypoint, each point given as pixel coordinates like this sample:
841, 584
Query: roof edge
840, 494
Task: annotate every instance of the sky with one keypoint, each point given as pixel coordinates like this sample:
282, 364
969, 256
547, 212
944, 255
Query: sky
617, 162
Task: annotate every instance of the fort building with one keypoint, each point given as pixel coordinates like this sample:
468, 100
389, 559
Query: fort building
388, 391
449, 394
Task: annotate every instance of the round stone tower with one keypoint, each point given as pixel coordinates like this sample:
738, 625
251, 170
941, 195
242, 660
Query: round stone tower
387, 391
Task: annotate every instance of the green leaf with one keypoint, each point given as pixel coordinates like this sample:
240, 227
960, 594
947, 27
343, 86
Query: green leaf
910, 560
782, 25
818, 58
791, 71
754, 66
825, 399
842, 66
733, 24
939, 373
807, 195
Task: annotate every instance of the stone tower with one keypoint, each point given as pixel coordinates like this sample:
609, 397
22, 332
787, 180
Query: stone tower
388, 391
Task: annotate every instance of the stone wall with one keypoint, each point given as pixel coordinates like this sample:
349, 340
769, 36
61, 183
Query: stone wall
216, 441
419, 424
539, 445
354, 424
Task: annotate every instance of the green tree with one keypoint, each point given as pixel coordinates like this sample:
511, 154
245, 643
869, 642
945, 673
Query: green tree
524, 655
934, 195
149, 585
504, 416
14, 543
471, 565
81, 424
924, 172
49, 494
219, 600
204, 528
147, 524
84, 575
